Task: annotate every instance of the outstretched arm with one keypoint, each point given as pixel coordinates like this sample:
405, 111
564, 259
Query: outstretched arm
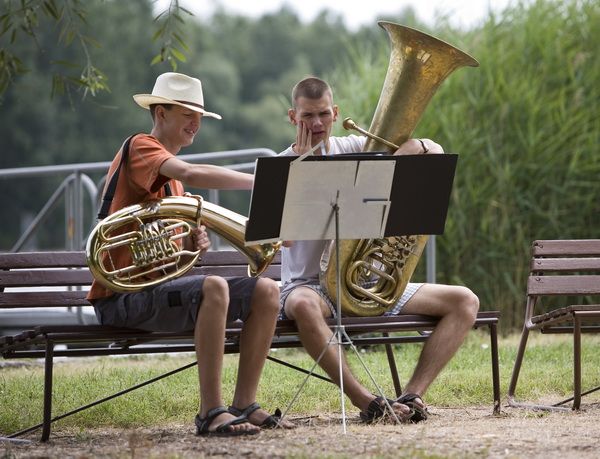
207, 176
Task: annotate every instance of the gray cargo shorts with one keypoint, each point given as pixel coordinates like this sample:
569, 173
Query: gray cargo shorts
171, 306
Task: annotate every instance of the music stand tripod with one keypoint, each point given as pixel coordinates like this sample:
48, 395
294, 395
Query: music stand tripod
347, 197
342, 338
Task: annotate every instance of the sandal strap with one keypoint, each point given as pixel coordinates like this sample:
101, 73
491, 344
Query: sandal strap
408, 398
375, 410
269, 422
246, 411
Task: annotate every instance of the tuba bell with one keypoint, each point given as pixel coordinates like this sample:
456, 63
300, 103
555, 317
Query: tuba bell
375, 272
151, 234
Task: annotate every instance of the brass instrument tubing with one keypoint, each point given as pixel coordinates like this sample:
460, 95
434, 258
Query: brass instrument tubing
350, 124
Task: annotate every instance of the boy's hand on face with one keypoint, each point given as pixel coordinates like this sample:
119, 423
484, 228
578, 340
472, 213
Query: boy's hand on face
303, 138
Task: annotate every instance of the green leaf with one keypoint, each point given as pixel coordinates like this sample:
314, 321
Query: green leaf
186, 10
50, 8
157, 59
178, 54
180, 41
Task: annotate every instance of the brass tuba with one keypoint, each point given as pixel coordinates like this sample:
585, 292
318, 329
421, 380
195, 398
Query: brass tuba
152, 233
374, 272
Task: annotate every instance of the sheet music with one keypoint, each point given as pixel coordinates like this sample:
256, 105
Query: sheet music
364, 189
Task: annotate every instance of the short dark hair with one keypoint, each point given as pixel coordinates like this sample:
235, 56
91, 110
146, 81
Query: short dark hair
311, 88
153, 108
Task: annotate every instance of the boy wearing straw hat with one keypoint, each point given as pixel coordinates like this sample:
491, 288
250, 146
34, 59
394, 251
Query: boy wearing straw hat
204, 304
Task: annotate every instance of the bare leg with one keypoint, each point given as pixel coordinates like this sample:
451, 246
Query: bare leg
309, 311
457, 307
255, 342
209, 340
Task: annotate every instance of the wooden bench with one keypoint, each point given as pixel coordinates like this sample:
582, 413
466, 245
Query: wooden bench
59, 280
560, 268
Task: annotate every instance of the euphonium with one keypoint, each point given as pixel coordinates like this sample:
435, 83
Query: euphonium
418, 64
152, 232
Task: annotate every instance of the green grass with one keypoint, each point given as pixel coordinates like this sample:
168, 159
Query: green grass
547, 374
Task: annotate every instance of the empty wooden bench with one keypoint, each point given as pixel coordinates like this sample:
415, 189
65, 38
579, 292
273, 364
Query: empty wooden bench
561, 268
60, 280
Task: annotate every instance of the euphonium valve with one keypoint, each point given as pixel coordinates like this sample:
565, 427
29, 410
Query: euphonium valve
375, 271
150, 236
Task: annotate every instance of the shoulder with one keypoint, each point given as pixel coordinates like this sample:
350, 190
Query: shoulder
149, 148
146, 141
289, 151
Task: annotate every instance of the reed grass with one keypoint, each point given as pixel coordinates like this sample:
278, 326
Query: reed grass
526, 126
466, 381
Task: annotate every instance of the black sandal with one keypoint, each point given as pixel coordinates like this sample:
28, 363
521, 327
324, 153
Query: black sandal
378, 408
222, 430
419, 413
270, 422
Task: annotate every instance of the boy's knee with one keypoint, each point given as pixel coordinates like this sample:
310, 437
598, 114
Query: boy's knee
469, 303
303, 307
266, 295
215, 289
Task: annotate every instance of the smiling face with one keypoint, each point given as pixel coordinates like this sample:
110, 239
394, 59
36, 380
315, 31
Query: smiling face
316, 115
176, 126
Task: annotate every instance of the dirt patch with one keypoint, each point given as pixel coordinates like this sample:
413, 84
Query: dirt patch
450, 432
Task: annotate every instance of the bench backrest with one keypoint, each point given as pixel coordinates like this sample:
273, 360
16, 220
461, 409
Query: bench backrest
61, 279
565, 267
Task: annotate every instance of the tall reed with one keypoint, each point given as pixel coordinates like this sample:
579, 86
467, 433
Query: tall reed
526, 125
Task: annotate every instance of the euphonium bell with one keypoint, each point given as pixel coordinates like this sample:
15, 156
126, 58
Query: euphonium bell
152, 233
374, 272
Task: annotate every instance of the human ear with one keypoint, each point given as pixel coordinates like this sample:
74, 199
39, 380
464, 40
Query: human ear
292, 116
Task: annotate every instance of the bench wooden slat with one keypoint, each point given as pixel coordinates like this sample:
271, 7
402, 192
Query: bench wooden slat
27, 260
563, 285
45, 278
54, 299
567, 312
566, 247
565, 264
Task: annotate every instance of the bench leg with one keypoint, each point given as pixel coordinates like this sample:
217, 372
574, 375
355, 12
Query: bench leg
393, 368
495, 366
576, 362
49, 365
517, 367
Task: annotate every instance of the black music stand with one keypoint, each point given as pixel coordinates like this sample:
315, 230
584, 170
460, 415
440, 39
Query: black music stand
348, 197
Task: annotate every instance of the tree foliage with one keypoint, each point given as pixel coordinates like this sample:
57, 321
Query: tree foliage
27, 18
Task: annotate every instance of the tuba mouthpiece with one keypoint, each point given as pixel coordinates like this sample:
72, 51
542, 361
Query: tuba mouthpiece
349, 124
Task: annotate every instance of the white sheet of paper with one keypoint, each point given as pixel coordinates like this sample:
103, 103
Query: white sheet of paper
364, 199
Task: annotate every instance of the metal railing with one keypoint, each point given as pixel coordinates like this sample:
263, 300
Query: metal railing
80, 190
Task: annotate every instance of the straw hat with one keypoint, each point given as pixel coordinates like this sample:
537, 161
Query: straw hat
177, 89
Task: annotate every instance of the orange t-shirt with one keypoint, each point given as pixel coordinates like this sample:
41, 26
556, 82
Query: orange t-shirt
139, 181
